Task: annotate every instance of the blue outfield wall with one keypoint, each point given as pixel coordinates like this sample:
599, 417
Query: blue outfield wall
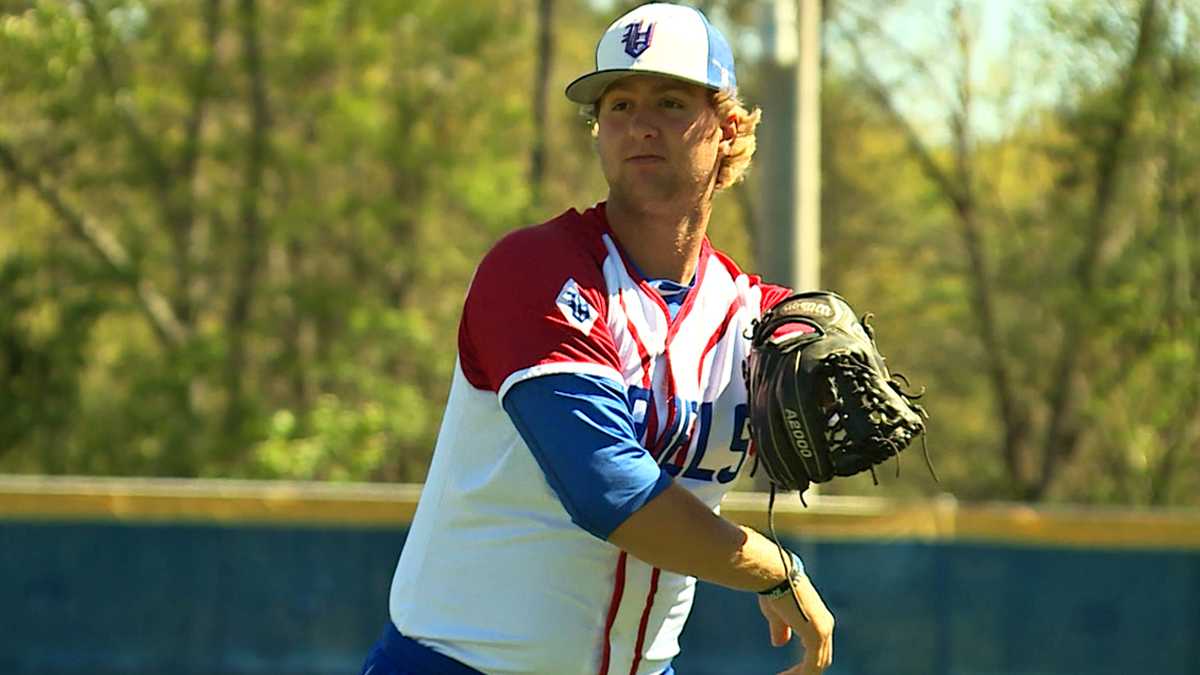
137, 585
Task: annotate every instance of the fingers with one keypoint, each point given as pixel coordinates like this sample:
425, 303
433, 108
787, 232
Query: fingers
816, 657
818, 652
814, 625
781, 633
806, 615
809, 666
802, 669
820, 656
815, 661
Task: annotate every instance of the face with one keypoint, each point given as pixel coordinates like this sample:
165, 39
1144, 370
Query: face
659, 140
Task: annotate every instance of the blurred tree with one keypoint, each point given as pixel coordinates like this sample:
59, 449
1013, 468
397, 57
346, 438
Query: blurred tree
277, 209
235, 234
1048, 216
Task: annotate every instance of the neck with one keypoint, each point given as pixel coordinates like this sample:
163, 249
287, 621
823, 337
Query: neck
663, 243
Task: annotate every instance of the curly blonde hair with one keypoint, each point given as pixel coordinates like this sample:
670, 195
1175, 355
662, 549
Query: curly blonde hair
733, 165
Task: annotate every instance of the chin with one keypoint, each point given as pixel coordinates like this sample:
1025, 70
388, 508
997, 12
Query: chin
648, 194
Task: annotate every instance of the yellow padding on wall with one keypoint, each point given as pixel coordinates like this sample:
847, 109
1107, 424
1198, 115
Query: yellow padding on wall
146, 500
1098, 527
946, 519
210, 501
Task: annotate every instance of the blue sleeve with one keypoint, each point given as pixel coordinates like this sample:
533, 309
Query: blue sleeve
581, 433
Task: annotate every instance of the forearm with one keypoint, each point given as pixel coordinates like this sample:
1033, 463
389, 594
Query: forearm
676, 531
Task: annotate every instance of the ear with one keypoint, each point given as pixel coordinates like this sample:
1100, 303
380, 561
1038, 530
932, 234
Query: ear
728, 128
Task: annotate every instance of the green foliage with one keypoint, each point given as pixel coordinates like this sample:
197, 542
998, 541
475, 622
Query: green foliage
42, 355
1086, 214
393, 160
161, 315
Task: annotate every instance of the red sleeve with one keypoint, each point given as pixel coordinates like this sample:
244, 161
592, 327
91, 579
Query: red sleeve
536, 306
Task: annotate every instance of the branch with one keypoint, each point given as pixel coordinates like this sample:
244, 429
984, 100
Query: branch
200, 89
251, 217
541, 84
177, 217
872, 25
1062, 435
154, 305
960, 192
929, 165
182, 217
139, 137
1183, 438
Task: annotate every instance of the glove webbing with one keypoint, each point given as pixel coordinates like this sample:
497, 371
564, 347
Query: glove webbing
851, 375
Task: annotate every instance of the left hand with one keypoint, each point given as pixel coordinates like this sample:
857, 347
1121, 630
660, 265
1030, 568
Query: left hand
814, 626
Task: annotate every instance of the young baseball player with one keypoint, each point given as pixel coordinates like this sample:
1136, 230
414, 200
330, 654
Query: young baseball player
597, 412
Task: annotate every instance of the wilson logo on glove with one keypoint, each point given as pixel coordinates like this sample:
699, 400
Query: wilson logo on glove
817, 308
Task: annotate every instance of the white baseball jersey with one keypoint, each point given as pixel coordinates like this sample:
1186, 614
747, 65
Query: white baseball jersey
494, 573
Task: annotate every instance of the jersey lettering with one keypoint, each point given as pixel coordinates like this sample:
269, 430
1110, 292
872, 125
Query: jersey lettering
741, 442
688, 414
694, 471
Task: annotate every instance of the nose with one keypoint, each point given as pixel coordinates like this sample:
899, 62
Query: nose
642, 124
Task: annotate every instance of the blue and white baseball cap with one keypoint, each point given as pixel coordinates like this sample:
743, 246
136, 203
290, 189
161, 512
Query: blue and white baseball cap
659, 39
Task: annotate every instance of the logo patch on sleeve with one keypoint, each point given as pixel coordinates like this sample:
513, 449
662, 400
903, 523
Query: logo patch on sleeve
575, 308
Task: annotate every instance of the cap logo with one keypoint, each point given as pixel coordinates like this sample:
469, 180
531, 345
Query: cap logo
637, 40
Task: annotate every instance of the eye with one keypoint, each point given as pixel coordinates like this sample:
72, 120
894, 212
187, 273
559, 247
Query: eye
618, 106
672, 103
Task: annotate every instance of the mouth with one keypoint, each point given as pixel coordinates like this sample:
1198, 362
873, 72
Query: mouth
645, 159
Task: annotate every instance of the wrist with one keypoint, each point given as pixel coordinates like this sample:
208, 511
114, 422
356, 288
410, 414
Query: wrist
794, 572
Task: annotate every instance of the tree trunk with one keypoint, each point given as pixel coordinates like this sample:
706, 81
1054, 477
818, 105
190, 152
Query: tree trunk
958, 189
182, 222
1064, 430
541, 86
245, 279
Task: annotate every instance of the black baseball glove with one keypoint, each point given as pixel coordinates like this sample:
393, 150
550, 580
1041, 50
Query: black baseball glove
822, 402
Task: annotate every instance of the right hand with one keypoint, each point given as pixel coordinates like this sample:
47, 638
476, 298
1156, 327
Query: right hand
814, 626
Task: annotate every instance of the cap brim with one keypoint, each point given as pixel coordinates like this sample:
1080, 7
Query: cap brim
587, 89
